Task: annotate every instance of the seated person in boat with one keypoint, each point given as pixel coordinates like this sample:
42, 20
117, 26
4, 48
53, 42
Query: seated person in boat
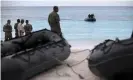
92, 16
89, 16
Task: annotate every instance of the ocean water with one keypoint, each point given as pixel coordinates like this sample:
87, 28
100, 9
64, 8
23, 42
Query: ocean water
112, 22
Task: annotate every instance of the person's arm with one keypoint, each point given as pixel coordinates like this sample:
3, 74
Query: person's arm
57, 17
22, 26
31, 28
15, 26
4, 28
11, 28
18, 27
49, 19
58, 21
25, 27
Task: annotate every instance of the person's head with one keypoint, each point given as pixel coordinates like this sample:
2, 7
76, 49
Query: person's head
26, 21
8, 21
55, 9
18, 20
22, 21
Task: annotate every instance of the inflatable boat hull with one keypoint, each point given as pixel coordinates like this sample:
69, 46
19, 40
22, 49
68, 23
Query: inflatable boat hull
17, 44
111, 58
90, 19
29, 62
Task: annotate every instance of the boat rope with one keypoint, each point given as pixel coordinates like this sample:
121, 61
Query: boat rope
54, 57
68, 65
71, 67
83, 59
117, 41
81, 51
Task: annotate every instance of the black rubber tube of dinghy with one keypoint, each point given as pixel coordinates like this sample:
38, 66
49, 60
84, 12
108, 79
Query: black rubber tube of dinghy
29, 41
13, 72
119, 54
39, 56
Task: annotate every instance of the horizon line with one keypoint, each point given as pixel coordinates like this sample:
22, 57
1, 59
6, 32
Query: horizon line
70, 6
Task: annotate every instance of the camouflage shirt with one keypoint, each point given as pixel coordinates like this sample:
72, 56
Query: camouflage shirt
7, 28
28, 28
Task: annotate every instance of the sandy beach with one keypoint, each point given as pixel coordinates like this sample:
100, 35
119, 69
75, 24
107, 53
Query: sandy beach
63, 72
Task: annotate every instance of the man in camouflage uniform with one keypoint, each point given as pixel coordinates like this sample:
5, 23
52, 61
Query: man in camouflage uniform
54, 21
8, 30
15, 27
27, 28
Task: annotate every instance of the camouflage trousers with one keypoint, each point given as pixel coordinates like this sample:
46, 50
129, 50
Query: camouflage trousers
8, 36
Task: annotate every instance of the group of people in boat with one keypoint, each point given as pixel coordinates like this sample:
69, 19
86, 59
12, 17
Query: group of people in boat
19, 27
91, 16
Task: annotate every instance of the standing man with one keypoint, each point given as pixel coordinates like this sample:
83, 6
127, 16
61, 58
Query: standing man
16, 29
8, 30
27, 27
21, 28
54, 21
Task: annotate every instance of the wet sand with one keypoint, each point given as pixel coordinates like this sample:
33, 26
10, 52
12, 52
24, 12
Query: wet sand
63, 72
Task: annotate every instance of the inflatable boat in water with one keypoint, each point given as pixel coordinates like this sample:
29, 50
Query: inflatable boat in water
112, 58
29, 55
90, 19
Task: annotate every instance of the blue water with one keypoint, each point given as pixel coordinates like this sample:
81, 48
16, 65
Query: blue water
111, 22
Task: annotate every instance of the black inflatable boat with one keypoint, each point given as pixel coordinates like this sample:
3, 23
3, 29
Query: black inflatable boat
29, 55
112, 58
90, 19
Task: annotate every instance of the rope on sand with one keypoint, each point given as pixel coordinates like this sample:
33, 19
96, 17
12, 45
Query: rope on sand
81, 51
83, 59
71, 66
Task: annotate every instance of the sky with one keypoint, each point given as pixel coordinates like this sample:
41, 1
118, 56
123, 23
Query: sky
67, 2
